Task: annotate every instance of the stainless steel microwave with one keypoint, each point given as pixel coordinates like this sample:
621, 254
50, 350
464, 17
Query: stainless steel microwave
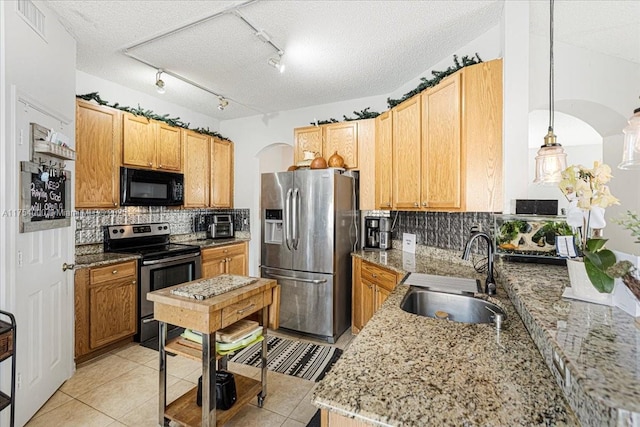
139, 187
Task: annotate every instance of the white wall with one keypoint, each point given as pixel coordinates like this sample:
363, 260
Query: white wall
252, 134
113, 92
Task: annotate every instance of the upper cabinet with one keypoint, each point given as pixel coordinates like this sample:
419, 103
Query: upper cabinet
341, 138
326, 140
307, 139
98, 141
446, 145
383, 161
442, 145
406, 154
196, 169
150, 144
221, 173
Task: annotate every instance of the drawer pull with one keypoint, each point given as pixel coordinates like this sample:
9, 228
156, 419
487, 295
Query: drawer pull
114, 272
246, 308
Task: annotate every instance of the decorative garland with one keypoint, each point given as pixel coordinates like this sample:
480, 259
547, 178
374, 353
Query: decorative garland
424, 84
176, 122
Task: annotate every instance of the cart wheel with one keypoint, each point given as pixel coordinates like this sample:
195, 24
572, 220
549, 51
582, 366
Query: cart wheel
260, 401
167, 422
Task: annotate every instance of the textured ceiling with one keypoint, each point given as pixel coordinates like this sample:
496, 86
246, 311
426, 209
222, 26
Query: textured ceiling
334, 50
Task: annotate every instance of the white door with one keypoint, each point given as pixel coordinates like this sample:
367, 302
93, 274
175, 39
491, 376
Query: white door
44, 301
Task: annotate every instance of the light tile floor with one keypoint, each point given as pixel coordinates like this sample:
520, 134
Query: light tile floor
120, 388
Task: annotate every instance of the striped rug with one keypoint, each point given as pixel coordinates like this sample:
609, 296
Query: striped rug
300, 359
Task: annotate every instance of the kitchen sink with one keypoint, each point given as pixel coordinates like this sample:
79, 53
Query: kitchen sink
454, 307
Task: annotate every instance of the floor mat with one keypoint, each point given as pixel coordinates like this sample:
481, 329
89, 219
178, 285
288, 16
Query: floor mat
300, 359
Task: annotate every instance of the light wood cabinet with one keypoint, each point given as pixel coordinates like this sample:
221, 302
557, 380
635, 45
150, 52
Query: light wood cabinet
447, 145
228, 259
307, 139
372, 285
168, 147
343, 139
105, 308
407, 143
98, 141
196, 169
221, 173
384, 161
441, 145
367, 163
150, 144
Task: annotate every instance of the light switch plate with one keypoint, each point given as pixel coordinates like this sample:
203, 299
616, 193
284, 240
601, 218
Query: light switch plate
409, 243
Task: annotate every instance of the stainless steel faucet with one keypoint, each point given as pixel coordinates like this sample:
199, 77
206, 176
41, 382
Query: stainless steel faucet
490, 284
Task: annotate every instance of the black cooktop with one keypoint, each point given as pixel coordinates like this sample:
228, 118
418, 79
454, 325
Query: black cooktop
161, 251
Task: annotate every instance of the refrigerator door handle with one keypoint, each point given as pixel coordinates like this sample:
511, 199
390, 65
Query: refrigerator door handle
296, 219
277, 276
287, 216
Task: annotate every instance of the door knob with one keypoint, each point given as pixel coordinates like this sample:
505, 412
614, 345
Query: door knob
66, 266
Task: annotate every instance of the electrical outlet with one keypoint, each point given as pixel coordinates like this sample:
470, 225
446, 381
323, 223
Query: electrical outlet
245, 221
78, 224
475, 228
18, 379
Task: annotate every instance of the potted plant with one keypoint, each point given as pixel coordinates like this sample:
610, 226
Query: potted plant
588, 197
625, 269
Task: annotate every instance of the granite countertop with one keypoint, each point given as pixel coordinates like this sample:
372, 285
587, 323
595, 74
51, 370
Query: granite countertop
92, 256
102, 258
410, 370
596, 346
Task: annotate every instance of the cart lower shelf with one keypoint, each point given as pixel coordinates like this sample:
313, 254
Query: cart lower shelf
184, 410
4, 401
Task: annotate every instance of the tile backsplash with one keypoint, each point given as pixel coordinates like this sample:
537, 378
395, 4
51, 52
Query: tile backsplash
446, 230
89, 223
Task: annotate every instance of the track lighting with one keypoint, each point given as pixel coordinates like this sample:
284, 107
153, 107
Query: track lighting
159, 82
276, 63
222, 103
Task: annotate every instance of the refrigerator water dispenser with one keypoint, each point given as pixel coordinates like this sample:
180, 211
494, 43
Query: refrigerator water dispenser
273, 226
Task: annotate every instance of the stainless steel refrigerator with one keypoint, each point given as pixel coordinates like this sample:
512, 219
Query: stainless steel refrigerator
309, 228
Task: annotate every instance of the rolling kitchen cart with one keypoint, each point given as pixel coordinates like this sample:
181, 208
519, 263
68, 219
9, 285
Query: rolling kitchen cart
7, 349
208, 316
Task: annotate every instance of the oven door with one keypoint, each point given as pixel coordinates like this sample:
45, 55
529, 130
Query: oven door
159, 274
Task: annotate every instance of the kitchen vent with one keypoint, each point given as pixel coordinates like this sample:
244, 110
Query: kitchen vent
32, 16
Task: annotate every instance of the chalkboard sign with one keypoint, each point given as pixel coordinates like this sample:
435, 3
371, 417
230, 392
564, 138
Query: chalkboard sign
47, 197
45, 200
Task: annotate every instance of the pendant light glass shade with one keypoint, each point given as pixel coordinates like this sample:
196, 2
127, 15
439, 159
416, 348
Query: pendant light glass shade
550, 161
631, 153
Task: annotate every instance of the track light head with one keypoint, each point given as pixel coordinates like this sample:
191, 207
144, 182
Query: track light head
276, 63
159, 82
222, 103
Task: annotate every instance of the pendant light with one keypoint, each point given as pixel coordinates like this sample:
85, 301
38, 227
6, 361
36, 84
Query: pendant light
631, 152
551, 159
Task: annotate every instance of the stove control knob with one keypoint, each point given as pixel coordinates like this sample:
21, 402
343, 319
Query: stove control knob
159, 228
114, 231
165, 227
122, 230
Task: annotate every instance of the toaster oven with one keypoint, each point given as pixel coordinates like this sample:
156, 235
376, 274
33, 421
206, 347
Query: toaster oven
221, 227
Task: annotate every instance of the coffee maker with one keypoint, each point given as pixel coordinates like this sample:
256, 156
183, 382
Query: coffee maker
377, 234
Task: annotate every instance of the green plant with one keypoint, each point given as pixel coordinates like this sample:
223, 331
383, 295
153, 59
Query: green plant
630, 221
597, 261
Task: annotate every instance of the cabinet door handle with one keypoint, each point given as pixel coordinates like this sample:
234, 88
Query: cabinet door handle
133, 282
114, 272
375, 276
115, 204
150, 164
369, 286
159, 166
66, 266
415, 205
388, 204
246, 308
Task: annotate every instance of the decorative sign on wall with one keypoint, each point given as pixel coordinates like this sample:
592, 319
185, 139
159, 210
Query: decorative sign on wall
45, 198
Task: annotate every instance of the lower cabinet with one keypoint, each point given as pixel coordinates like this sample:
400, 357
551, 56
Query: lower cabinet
372, 285
105, 307
229, 259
